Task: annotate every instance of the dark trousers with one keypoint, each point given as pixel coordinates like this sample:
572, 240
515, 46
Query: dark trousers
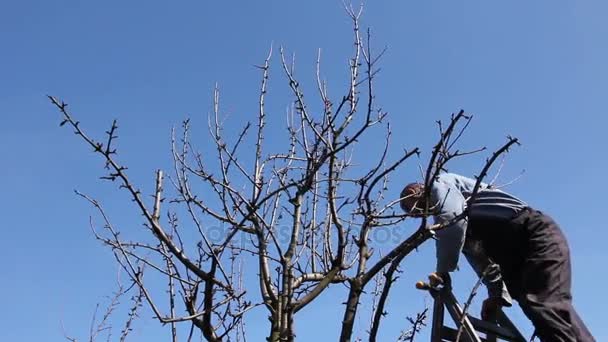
534, 259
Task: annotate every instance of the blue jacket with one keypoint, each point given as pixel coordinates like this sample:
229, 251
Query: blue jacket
449, 196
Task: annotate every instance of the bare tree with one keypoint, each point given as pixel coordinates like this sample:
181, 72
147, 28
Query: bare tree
302, 214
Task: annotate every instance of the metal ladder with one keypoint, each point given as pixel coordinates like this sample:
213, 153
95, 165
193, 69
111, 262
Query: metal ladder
502, 330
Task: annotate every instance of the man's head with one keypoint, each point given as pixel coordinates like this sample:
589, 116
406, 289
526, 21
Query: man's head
412, 199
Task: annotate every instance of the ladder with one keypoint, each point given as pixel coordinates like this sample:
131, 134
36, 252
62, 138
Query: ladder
502, 330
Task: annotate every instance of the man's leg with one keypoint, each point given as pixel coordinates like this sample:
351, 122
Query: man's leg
481, 263
556, 320
551, 318
579, 327
546, 280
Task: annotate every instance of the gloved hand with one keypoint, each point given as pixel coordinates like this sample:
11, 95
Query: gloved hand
436, 279
490, 308
440, 278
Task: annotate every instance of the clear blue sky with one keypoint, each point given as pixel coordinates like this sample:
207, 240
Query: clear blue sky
533, 69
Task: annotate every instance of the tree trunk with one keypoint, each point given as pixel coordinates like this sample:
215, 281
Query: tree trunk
282, 327
351, 310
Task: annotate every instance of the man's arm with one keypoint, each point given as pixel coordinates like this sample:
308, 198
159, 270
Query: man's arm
448, 202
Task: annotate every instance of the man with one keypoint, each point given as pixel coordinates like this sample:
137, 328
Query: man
523, 252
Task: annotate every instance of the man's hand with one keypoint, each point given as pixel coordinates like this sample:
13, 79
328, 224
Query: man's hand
436, 279
440, 278
490, 307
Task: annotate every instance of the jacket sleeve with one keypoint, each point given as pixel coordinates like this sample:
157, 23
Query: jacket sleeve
448, 202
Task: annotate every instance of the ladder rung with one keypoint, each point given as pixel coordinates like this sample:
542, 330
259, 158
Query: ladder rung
444, 298
490, 328
449, 334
